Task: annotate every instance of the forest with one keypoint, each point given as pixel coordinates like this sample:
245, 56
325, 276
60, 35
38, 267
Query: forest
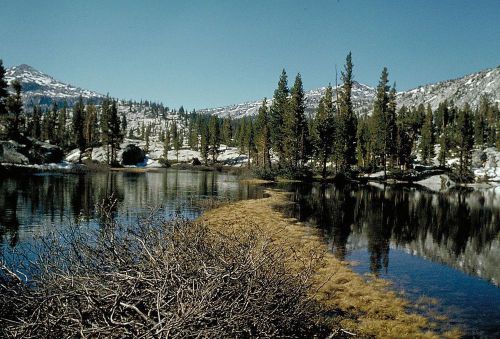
282, 140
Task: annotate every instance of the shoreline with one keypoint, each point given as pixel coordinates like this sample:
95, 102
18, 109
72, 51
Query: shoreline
366, 307
435, 182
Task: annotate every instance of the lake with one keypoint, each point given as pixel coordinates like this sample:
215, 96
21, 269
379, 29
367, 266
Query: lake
441, 250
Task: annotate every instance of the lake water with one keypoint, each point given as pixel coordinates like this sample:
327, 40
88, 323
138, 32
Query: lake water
443, 246
430, 245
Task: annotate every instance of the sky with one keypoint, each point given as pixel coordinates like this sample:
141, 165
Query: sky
216, 52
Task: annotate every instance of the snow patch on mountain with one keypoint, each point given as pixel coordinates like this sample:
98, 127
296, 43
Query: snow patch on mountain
42, 89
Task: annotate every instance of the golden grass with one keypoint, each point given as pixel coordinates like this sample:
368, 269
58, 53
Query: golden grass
254, 181
370, 309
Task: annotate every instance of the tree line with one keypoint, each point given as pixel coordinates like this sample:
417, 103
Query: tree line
281, 139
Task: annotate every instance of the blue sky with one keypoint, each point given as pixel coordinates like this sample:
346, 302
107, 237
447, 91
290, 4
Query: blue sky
216, 52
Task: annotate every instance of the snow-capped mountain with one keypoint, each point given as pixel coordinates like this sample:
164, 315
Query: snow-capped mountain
40, 88
467, 89
362, 97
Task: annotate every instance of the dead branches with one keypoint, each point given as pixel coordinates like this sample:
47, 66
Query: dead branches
156, 279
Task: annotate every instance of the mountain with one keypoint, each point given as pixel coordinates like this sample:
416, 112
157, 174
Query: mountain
469, 89
42, 89
362, 97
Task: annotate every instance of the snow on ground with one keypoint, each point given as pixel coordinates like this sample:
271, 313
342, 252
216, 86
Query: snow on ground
437, 183
227, 155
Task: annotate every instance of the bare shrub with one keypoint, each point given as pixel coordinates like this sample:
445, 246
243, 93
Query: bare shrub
157, 279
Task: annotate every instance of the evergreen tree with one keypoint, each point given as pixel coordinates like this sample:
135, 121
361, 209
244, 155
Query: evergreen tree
104, 126
404, 139
174, 134
214, 137
4, 93
379, 119
279, 109
124, 124
166, 147
465, 142
114, 133
347, 133
427, 140
249, 139
392, 132
62, 133
323, 130
444, 145
36, 130
15, 108
146, 137
204, 143
78, 127
363, 139
295, 131
90, 127
263, 136
227, 131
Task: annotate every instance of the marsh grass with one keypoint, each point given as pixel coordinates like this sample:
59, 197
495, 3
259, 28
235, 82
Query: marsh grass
364, 307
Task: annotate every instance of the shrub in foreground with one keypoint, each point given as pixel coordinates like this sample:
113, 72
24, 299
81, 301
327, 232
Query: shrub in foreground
157, 279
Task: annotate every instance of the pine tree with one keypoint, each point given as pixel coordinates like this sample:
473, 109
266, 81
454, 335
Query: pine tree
62, 133
279, 109
78, 127
15, 108
227, 132
363, 139
427, 140
174, 134
249, 139
146, 137
204, 143
465, 142
347, 133
4, 93
166, 147
295, 132
37, 126
263, 136
214, 137
103, 124
90, 125
114, 133
323, 130
392, 132
379, 120
404, 139
124, 124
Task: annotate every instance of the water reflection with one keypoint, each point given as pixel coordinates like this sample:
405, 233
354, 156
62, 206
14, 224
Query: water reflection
28, 204
460, 228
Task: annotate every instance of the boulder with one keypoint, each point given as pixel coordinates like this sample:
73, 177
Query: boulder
45, 153
132, 155
12, 152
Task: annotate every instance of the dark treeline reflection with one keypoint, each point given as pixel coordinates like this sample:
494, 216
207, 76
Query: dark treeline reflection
460, 228
29, 203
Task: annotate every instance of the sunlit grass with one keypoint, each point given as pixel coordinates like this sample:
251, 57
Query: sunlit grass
367, 307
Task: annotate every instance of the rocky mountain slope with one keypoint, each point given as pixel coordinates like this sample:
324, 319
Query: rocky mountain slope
42, 89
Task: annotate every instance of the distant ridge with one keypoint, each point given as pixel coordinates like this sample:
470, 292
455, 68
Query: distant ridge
467, 89
42, 89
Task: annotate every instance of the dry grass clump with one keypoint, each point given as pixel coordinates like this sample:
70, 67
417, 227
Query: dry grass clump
158, 279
